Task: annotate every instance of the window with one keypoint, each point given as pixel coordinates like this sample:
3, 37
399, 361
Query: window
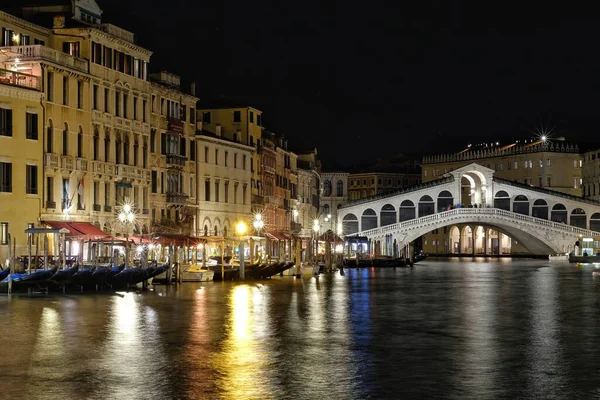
251, 117
4, 233
65, 140
5, 177
106, 148
183, 113
162, 106
340, 189
540, 184
530, 164
217, 191
192, 115
547, 162
106, 194
574, 163
192, 150
235, 192
226, 155
135, 109
65, 90
125, 105
244, 161
71, 48
234, 160
5, 122
80, 94
226, 192
95, 97
216, 156
516, 165
106, 100
50, 86
162, 183
258, 119
80, 143
154, 182
575, 182
237, 116
207, 190
206, 117
96, 193
95, 145
163, 144
31, 128
117, 104
541, 164
152, 141
244, 190
144, 106
65, 194
153, 103
49, 190
206, 154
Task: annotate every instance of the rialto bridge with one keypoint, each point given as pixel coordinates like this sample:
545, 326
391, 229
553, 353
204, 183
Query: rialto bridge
472, 199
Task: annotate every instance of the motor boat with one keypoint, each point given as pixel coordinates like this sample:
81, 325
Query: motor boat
558, 257
197, 273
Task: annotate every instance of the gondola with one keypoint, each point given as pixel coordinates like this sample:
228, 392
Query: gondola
83, 277
20, 281
64, 275
4, 273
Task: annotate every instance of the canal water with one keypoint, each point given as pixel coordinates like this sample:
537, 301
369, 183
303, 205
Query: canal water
445, 329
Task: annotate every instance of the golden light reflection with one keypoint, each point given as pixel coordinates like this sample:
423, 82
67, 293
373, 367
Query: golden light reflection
243, 363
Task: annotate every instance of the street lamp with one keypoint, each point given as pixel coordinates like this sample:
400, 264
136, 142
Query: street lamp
127, 217
240, 229
316, 228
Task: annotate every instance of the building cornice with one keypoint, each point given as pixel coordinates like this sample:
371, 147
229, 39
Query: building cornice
20, 93
174, 92
92, 33
225, 143
27, 24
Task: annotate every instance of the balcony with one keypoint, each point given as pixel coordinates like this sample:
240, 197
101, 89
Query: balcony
51, 160
18, 79
127, 172
81, 164
97, 207
258, 199
97, 167
107, 208
66, 162
177, 198
51, 205
39, 52
176, 160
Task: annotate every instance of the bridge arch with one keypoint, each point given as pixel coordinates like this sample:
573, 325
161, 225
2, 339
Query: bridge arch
406, 211
350, 224
387, 215
368, 220
445, 200
502, 200
539, 209
426, 206
559, 213
578, 218
473, 185
595, 222
521, 204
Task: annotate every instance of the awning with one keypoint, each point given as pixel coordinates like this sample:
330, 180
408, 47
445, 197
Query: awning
80, 230
274, 235
176, 239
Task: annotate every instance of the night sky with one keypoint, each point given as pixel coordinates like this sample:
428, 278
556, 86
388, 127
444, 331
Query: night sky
363, 80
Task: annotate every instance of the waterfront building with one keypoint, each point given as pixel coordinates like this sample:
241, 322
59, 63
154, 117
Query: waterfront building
223, 182
309, 192
385, 176
96, 125
333, 195
590, 175
241, 124
173, 155
552, 165
21, 134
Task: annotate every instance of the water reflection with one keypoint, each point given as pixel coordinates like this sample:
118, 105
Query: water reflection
242, 366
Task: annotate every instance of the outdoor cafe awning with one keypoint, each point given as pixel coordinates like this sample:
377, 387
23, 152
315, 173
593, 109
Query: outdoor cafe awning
78, 230
275, 235
176, 239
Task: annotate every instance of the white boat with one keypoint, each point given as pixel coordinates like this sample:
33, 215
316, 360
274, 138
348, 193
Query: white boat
197, 273
558, 257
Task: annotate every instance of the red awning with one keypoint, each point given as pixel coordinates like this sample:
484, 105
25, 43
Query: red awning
274, 235
175, 239
80, 230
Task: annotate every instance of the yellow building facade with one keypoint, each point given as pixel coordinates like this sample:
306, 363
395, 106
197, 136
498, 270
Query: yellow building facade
549, 165
173, 183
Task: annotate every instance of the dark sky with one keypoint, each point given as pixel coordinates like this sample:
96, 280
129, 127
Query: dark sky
362, 80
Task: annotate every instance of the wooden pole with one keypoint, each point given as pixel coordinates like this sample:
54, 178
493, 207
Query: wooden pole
29, 238
223, 260
45, 245
10, 263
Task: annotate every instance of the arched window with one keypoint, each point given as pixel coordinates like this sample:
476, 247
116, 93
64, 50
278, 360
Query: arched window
327, 188
107, 146
118, 147
136, 146
49, 137
205, 230
126, 150
340, 189
80, 142
95, 144
216, 231
145, 154
326, 209
225, 231
65, 140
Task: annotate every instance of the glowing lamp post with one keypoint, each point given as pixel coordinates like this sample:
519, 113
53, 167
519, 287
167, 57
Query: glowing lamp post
316, 228
127, 218
258, 224
241, 229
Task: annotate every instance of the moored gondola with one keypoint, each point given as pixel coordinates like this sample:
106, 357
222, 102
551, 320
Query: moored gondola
21, 281
4, 273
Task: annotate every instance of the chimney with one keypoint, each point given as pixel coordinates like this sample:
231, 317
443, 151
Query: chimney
193, 89
218, 130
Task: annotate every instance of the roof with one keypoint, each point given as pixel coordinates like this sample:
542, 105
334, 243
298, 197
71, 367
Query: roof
223, 102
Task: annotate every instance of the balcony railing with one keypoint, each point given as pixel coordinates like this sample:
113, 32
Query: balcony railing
97, 207
66, 162
177, 198
176, 159
37, 52
51, 160
18, 79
